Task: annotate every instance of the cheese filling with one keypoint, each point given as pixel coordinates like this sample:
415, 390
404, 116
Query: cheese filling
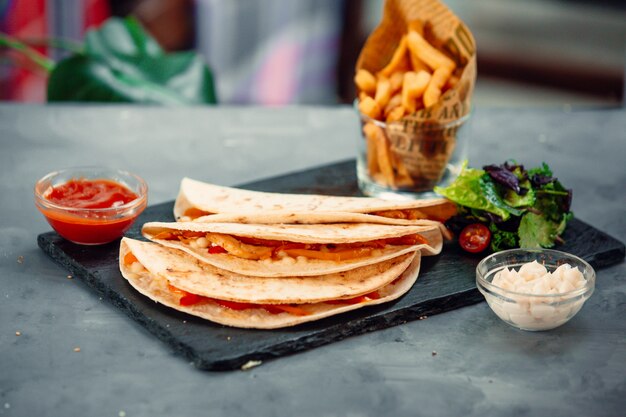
263, 249
136, 270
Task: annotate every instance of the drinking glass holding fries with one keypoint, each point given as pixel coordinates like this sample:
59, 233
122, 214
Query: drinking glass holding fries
413, 101
397, 160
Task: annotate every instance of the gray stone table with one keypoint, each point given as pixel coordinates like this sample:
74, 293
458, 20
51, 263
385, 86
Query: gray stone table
482, 367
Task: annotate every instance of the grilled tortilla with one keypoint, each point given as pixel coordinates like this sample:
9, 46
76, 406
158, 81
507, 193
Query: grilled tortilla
162, 284
196, 199
279, 250
189, 274
315, 217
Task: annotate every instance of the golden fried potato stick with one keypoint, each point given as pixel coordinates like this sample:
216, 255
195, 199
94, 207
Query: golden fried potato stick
416, 26
383, 92
394, 102
370, 130
398, 61
417, 64
452, 82
384, 160
414, 86
369, 107
437, 81
403, 179
396, 114
365, 81
383, 154
427, 53
396, 81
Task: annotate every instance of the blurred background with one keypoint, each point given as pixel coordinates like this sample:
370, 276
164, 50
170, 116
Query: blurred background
279, 52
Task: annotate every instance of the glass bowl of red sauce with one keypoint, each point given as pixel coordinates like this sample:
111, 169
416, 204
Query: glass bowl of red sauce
91, 205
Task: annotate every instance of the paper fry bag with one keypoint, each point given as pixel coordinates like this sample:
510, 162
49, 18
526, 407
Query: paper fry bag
422, 141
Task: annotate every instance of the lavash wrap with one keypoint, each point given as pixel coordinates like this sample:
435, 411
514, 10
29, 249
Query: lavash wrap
335, 233
230, 204
165, 266
425, 158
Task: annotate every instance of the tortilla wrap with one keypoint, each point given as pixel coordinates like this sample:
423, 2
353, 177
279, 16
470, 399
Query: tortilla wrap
260, 318
185, 272
333, 234
196, 198
315, 217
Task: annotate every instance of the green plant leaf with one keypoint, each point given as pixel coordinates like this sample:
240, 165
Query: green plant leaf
535, 231
80, 78
501, 239
515, 200
122, 63
29, 53
121, 39
473, 189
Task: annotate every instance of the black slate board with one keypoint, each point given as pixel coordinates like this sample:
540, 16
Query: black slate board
446, 282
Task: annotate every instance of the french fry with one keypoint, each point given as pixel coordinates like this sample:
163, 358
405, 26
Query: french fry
384, 157
427, 53
403, 179
394, 102
437, 81
380, 179
379, 155
370, 132
416, 26
399, 61
396, 114
452, 82
417, 64
369, 107
365, 81
383, 92
396, 81
414, 86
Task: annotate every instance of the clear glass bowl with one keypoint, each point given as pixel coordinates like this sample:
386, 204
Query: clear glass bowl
91, 226
533, 311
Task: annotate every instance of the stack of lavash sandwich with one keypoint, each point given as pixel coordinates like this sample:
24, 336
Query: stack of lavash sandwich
267, 260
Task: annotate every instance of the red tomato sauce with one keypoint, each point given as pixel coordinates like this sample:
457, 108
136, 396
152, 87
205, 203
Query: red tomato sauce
91, 194
87, 227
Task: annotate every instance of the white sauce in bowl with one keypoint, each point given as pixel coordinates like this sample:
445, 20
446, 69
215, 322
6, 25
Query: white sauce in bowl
532, 310
534, 278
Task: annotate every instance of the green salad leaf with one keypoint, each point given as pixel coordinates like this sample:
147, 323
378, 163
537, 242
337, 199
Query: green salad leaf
471, 189
536, 231
521, 208
502, 239
515, 200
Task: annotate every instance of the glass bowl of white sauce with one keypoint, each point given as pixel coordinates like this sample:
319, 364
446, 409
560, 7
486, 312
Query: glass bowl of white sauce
535, 289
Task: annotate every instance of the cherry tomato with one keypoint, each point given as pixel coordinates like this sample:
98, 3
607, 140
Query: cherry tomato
475, 238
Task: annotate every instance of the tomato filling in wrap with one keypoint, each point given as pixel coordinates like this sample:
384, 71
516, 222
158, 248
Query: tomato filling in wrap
186, 298
260, 249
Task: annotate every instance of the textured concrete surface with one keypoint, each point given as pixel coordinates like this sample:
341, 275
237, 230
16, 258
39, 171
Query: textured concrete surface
465, 362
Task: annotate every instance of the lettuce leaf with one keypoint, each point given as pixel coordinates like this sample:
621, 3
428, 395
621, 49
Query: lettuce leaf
474, 189
536, 231
513, 199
